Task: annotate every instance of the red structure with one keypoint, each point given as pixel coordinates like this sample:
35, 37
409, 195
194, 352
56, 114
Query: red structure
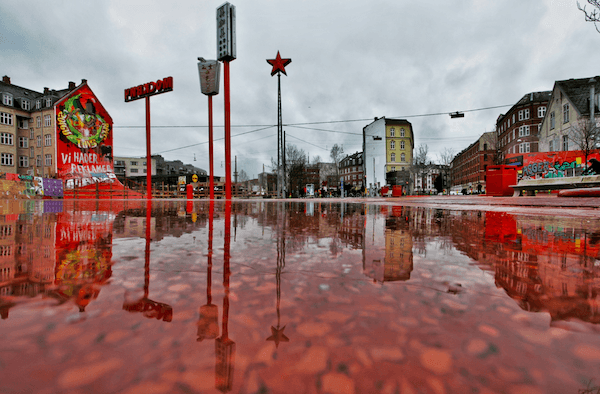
499, 179
146, 91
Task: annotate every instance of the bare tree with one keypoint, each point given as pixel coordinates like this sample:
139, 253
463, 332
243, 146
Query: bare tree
242, 176
421, 158
445, 158
592, 15
316, 159
336, 154
296, 167
586, 136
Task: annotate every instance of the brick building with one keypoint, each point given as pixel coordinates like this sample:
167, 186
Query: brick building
468, 166
28, 130
518, 130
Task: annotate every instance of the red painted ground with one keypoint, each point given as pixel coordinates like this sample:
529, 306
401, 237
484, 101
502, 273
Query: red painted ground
303, 296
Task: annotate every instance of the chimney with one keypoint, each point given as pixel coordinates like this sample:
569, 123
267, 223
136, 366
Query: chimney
6, 79
46, 91
71, 85
83, 81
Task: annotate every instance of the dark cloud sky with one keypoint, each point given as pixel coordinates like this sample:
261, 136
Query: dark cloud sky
350, 60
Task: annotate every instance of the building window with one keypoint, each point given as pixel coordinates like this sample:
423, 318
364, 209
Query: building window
134, 163
6, 139
392, 144
524, 147
552, 120
524, 131
403, 157
48, 161
48, 102
566, 113
23, 161
541, 112
565, 141
47, 120
38, 121
48, 140
393, 168
38, 161
25, 104
6, 159
393, 157
38, 104
31, 152
6, 119
134, 170
402, 145
23, 142
551, 146
392, 132
24, 124
7, 99
31, 133
402, 132
38, 141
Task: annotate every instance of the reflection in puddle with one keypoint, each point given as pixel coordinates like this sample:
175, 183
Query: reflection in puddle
320, 297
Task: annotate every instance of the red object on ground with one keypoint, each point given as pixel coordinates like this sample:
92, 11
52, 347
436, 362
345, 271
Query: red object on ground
103, 190
498, 180
385, 190
397, 191
189, 190
584, 192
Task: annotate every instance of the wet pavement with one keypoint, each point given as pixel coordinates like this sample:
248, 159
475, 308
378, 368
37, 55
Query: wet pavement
409, 295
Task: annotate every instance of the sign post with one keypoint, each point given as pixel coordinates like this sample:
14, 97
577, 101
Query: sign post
209, 72
145, 91
226, 52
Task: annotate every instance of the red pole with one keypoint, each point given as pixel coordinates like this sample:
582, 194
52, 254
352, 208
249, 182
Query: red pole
227, 133
211, 168
148, 152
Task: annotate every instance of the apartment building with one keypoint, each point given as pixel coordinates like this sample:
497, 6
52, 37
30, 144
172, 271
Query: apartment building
27, 129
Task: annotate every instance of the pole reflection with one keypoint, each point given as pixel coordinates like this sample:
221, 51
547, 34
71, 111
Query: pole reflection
224, 346
149, 308
277, 334
208, 321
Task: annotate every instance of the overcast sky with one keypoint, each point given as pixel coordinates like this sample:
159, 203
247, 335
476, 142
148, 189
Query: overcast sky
351, 61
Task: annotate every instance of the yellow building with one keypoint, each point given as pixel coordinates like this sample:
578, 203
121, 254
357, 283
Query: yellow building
399, 144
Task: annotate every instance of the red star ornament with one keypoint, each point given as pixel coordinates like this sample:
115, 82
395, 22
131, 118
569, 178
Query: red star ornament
277, 335
278, 64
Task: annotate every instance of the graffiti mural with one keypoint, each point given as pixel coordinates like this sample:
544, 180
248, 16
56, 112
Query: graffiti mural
84, 137
553, 164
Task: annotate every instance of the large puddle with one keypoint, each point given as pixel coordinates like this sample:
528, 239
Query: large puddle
290, 297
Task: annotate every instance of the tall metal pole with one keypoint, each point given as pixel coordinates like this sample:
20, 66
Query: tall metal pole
227, 132
285, 183
211, 167
279, 137
148, 152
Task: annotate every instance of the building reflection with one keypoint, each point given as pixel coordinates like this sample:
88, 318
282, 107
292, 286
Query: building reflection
544, 263
388, 244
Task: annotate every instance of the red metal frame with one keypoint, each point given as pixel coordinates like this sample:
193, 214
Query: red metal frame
148, 152
227, 132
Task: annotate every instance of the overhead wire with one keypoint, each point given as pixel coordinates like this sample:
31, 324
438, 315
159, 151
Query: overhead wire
299, 125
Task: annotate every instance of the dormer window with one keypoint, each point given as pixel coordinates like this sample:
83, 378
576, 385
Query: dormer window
48, 102
25, 104
38, 104
7, 99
